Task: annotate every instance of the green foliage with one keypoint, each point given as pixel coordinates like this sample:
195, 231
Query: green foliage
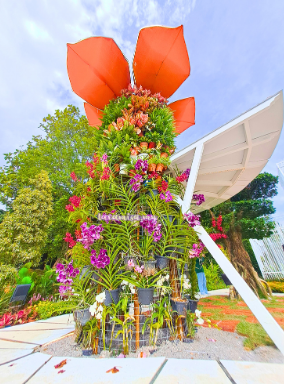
47, 309
67, 143
8, 276
248, 210
213, 279
276, 286
23, 232
2, 214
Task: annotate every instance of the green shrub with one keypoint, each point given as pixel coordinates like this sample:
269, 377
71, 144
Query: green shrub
47, 309
213, 279
276, 286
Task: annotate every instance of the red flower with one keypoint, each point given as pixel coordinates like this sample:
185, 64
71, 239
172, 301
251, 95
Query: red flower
78, 234
106, 173
75, 200
163, 187
69, 208
69, 239
73, 176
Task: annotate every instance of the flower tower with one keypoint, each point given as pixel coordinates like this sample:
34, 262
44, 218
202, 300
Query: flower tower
128, 227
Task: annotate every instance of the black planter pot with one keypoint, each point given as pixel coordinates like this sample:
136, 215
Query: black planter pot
85, 271
179, 306
155, 192
112, 296
192, 304
87, 352
145, 295
162, 262
82, 316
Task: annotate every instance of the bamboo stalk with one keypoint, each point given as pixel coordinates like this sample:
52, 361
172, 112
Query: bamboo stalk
137, 321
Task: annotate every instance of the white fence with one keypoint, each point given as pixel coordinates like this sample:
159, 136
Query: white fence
269, 254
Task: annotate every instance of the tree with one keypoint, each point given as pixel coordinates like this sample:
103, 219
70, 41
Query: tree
23, 232
69, 141
245, 216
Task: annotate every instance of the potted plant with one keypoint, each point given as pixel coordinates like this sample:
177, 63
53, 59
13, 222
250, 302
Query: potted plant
89, 333
83, 296
145, 283
179, 305
111, 276
191, 295
151, 145
143, 145
152, 164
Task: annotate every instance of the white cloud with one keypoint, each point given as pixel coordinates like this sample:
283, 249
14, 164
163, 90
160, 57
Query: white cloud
33, 37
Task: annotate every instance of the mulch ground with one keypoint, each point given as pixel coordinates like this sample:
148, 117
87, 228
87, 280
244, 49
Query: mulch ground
227, 314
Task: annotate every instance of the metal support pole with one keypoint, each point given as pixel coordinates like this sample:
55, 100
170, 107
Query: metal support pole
270, 325
192, 178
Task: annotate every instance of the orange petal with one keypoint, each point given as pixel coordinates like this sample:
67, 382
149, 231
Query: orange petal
161, 61
93, 115
97, 70
184, 113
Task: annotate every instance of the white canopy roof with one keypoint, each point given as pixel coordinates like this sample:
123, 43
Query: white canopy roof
230, 157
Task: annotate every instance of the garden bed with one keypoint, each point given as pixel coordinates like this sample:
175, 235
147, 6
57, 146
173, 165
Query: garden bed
209, 344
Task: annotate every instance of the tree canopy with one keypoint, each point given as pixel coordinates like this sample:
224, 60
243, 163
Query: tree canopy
249, 210
23, 232
68, 141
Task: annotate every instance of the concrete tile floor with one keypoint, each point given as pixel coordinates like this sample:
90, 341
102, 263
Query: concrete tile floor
19, 371
19, 364
243, 372
38, 337
7, 355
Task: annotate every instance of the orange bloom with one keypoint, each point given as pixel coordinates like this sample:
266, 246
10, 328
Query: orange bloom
98, 71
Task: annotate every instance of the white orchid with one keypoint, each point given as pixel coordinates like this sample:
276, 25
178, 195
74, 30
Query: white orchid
200, 321
198, 313
100, 298
93, 309
98, 316
100, 308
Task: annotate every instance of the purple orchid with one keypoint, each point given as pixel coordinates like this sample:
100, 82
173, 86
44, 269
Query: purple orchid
100, 261
65, 276
89, 235
141, 164
192, 219
198, 198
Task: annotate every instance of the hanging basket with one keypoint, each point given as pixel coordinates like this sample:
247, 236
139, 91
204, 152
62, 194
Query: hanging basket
192, 304
179, 306
149, 265
82, 316
145, 295
112, 296
162, 262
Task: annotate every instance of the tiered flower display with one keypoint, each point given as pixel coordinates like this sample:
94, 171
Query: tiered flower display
128, 226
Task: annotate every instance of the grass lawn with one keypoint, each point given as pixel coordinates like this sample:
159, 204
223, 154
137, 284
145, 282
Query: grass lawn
235, 316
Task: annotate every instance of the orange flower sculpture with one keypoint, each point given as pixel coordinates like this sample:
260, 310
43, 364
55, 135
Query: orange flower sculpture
98, 71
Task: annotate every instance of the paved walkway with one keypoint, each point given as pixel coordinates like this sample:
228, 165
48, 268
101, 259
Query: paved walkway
20, 363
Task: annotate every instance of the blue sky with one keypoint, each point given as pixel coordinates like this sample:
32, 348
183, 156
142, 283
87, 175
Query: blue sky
235, 48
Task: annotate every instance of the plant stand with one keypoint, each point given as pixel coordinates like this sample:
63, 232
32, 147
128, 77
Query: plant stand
174, 283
